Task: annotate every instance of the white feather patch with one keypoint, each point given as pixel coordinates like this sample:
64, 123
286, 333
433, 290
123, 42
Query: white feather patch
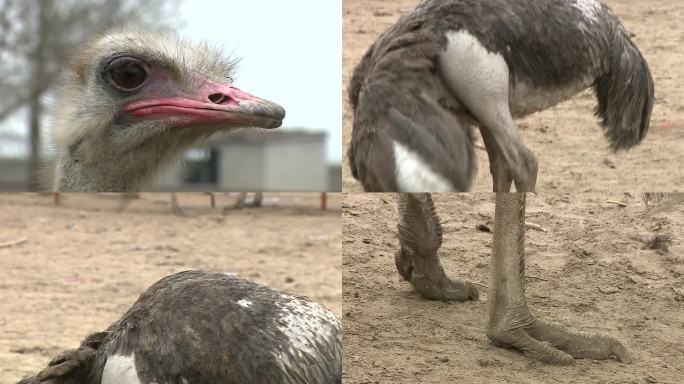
305, 324
414, 175
120, 370
245, 303
589, 8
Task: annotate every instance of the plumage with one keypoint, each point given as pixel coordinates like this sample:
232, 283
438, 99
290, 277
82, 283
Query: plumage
448, 65
207, 327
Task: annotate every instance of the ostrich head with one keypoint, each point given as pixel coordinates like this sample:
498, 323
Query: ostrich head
131, 101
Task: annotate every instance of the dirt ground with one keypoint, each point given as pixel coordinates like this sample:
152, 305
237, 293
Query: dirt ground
83, 263
567, 140
590, 270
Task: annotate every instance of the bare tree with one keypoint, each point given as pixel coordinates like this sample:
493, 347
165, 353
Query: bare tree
36, 38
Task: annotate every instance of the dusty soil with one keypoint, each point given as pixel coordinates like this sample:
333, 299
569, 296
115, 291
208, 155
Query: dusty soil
83, 263
567, 140
589, 270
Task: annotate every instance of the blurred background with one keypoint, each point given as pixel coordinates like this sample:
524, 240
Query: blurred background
290, 53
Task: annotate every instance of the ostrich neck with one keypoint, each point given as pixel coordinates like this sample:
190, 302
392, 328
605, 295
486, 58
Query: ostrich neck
73, 176
109, 170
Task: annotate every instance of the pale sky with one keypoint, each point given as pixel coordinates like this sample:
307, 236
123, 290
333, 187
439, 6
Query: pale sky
291, 53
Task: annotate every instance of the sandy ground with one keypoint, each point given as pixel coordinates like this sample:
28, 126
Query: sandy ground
589, 270
83, 263
567, 140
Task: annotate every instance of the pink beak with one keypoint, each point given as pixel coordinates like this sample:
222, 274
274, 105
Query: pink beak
215, 103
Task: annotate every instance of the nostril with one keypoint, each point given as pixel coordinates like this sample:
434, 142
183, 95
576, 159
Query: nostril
218, 98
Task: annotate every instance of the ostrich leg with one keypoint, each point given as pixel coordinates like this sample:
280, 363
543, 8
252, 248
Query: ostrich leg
509, 321
175, 206
258, 199
420, 236
240, 201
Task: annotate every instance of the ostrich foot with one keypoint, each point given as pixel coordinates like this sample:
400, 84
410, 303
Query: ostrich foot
549, 342
431, 282
510, 322
444, 288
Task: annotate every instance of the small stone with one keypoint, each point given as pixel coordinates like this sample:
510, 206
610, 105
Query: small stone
609, 163
219, 218
609, 290
659, 241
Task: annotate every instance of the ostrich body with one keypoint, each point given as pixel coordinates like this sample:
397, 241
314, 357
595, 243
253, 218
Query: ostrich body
202, 327
132, 101
256, 202
451, 64
510, 323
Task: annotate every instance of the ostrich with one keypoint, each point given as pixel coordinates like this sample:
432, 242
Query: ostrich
510, 323
242, 200
206, 327
452, 64
132, 101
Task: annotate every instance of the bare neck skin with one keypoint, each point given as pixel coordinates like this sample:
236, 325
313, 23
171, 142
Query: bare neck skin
108, 169
73, 176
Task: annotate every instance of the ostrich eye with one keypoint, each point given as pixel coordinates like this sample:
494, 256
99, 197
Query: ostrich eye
127, 74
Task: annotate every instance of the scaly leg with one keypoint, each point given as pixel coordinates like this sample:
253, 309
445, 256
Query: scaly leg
258, 199
420, 236
509, 321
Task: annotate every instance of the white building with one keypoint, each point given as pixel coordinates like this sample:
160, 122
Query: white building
282, 160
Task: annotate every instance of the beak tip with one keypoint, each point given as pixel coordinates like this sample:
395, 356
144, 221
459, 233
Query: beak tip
280, 112
279, 116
